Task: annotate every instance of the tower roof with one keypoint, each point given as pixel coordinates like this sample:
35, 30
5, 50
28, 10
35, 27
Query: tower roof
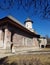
28, 20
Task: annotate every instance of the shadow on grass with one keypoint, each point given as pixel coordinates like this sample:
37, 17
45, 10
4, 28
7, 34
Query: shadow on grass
32, 61
3, 60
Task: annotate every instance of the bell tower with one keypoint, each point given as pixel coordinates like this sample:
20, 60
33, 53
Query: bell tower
28, 23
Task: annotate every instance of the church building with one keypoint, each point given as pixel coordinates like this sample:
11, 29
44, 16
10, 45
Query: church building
13, 32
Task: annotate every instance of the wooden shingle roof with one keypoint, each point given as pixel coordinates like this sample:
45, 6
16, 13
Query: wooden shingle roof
15, 22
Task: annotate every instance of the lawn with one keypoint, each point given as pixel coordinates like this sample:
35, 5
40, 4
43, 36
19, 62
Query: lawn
26, 59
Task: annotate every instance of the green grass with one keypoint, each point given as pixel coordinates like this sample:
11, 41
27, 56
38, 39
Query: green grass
29, 59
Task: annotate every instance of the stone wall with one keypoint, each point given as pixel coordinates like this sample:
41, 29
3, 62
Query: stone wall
35, 42
20, 40
1, 38
18, 37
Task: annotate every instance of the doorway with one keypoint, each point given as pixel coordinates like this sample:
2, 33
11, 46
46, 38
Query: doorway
42, 46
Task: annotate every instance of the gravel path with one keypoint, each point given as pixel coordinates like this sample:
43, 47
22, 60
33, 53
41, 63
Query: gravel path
25, 51
32, 52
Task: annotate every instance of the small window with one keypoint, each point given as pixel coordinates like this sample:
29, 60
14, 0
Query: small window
27, 25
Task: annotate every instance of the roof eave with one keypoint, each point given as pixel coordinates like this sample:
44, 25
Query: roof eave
15, 22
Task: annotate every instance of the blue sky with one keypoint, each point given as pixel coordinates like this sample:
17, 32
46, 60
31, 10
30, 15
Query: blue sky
41, 26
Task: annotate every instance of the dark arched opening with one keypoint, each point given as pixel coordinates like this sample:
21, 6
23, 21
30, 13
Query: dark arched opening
42, 46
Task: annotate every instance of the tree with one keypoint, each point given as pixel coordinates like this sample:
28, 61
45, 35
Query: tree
40, 7
48, 39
